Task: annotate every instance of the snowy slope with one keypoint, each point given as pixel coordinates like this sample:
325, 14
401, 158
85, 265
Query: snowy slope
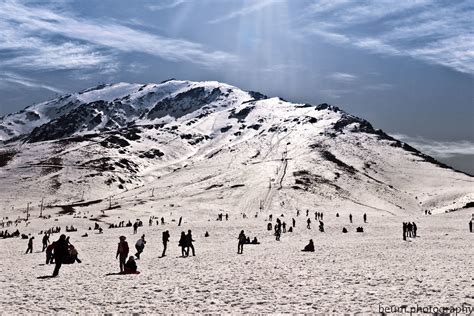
191, 150
216, 145
112, 106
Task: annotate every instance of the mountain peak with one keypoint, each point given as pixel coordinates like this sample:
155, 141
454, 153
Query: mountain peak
213, 140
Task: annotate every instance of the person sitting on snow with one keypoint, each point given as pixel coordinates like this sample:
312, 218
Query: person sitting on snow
309, 247
130, 266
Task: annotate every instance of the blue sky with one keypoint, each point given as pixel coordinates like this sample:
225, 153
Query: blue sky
406, 66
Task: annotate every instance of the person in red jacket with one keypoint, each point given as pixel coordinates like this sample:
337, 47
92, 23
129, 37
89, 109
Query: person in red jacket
122, 252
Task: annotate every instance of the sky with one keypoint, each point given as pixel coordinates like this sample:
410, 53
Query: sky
406, 66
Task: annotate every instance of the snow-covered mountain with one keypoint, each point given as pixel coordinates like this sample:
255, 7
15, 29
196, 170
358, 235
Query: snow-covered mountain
209, 145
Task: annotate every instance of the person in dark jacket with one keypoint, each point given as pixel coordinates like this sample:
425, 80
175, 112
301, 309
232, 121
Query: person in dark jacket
45, 241
122, 251
182, 244
166, 238
140, 245
309, 247
61, 251
30, 246
189, 243
49, 253
240, 246
131, 266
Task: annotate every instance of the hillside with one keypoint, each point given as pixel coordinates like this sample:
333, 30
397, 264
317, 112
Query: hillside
209, 145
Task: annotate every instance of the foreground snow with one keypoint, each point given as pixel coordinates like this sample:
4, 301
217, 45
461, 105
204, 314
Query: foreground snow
348, 272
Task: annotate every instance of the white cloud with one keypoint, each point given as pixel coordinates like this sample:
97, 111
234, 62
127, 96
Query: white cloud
441, 149
26, 82
435, 32
245, 10
378, 86
65, 56
279, 68
342, 77
37, 28
166, 5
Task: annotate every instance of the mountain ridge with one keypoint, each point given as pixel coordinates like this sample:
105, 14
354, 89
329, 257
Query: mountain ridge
208, 141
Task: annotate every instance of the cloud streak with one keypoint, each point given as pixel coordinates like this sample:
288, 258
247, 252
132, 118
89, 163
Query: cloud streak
245, 10
435, 32
167, 5
86, 43
441, 149
26, 82
342, 77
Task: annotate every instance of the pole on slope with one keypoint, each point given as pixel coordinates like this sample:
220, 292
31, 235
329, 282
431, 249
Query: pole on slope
110, 202
28, 210
153, 192
41, 207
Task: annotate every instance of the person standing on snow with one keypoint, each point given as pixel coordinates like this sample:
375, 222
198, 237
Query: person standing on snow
61, 251
30, 246
45, 241
140, 245
166, 238
189, 243
240, 246
122, 251
182, 244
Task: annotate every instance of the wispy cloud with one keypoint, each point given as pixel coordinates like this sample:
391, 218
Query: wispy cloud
432, 31
26, 82
80, 42
166, 5
279, 68
342, 77
441, 149
245, 10
378, 86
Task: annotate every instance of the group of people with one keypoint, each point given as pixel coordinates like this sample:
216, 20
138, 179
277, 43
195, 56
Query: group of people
6, 234
409, 230
71, 229
126, 267
318, 215
220, 216
121, 224
138, 223
281, 227
186, 243
243, 240
52, 230
7, 223
63, 252
130, 266
59, 252
152, 219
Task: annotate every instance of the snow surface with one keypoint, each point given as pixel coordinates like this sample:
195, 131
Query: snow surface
348, 272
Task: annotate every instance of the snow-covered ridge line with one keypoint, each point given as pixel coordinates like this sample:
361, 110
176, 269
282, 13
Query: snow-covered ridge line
126, 103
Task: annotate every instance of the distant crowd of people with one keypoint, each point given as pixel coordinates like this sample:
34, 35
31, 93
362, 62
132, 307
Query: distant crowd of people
62, 251
7, 234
